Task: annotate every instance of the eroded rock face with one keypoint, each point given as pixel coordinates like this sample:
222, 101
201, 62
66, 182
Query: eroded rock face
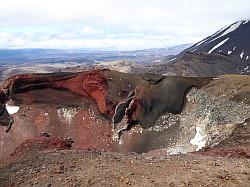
60, 104
210, 117
146, 110
90, 85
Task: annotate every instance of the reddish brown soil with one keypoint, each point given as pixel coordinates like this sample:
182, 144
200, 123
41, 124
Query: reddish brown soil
232, 151
53, 167
42, 143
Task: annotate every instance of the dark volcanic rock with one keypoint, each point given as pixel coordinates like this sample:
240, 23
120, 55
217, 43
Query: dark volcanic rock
233, 41
205, 64
163, 94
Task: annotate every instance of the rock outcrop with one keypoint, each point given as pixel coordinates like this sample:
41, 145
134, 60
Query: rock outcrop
148, 111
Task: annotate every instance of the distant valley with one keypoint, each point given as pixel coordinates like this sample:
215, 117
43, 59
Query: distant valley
146, 56
224, 52
17, 61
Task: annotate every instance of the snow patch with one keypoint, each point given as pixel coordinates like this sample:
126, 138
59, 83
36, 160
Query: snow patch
231, 28
246, 68
172, 59
245, 22
201, 42
247, 57
11, 109
219, 31
218, 45
157, 61
229, 52
200, 138
242, 54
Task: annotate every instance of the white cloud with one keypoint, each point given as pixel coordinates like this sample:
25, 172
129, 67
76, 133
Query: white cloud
129, 42
111, 22
88, 30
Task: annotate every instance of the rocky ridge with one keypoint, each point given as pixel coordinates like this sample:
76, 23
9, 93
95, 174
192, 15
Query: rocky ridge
86, 106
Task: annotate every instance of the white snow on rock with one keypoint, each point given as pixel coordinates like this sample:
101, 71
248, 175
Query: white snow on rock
199, 139
157, 61
12, 109
201, 42
245, 22
218, 45
247, 57
242, 54
229, 52
231, 28
172, 59
219, 31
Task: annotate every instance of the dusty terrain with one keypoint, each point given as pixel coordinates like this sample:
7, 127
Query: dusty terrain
53, 167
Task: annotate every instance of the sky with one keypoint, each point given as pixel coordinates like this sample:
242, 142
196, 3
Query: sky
114, 24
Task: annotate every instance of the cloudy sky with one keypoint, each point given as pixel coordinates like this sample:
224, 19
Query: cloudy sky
114, 24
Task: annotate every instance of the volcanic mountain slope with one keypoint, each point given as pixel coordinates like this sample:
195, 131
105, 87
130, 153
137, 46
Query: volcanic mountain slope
203, 64
233, 41
225, 52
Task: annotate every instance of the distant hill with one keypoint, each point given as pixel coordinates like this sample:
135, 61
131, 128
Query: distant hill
225, 52
204, 64
233, 41
41, 56
121, 66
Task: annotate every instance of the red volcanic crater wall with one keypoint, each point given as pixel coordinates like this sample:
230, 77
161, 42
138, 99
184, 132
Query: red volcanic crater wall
87, 129
92, 85
82, 106
62, 105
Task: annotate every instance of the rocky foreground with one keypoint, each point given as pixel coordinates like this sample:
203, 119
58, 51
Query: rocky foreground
103, 127
52, 167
